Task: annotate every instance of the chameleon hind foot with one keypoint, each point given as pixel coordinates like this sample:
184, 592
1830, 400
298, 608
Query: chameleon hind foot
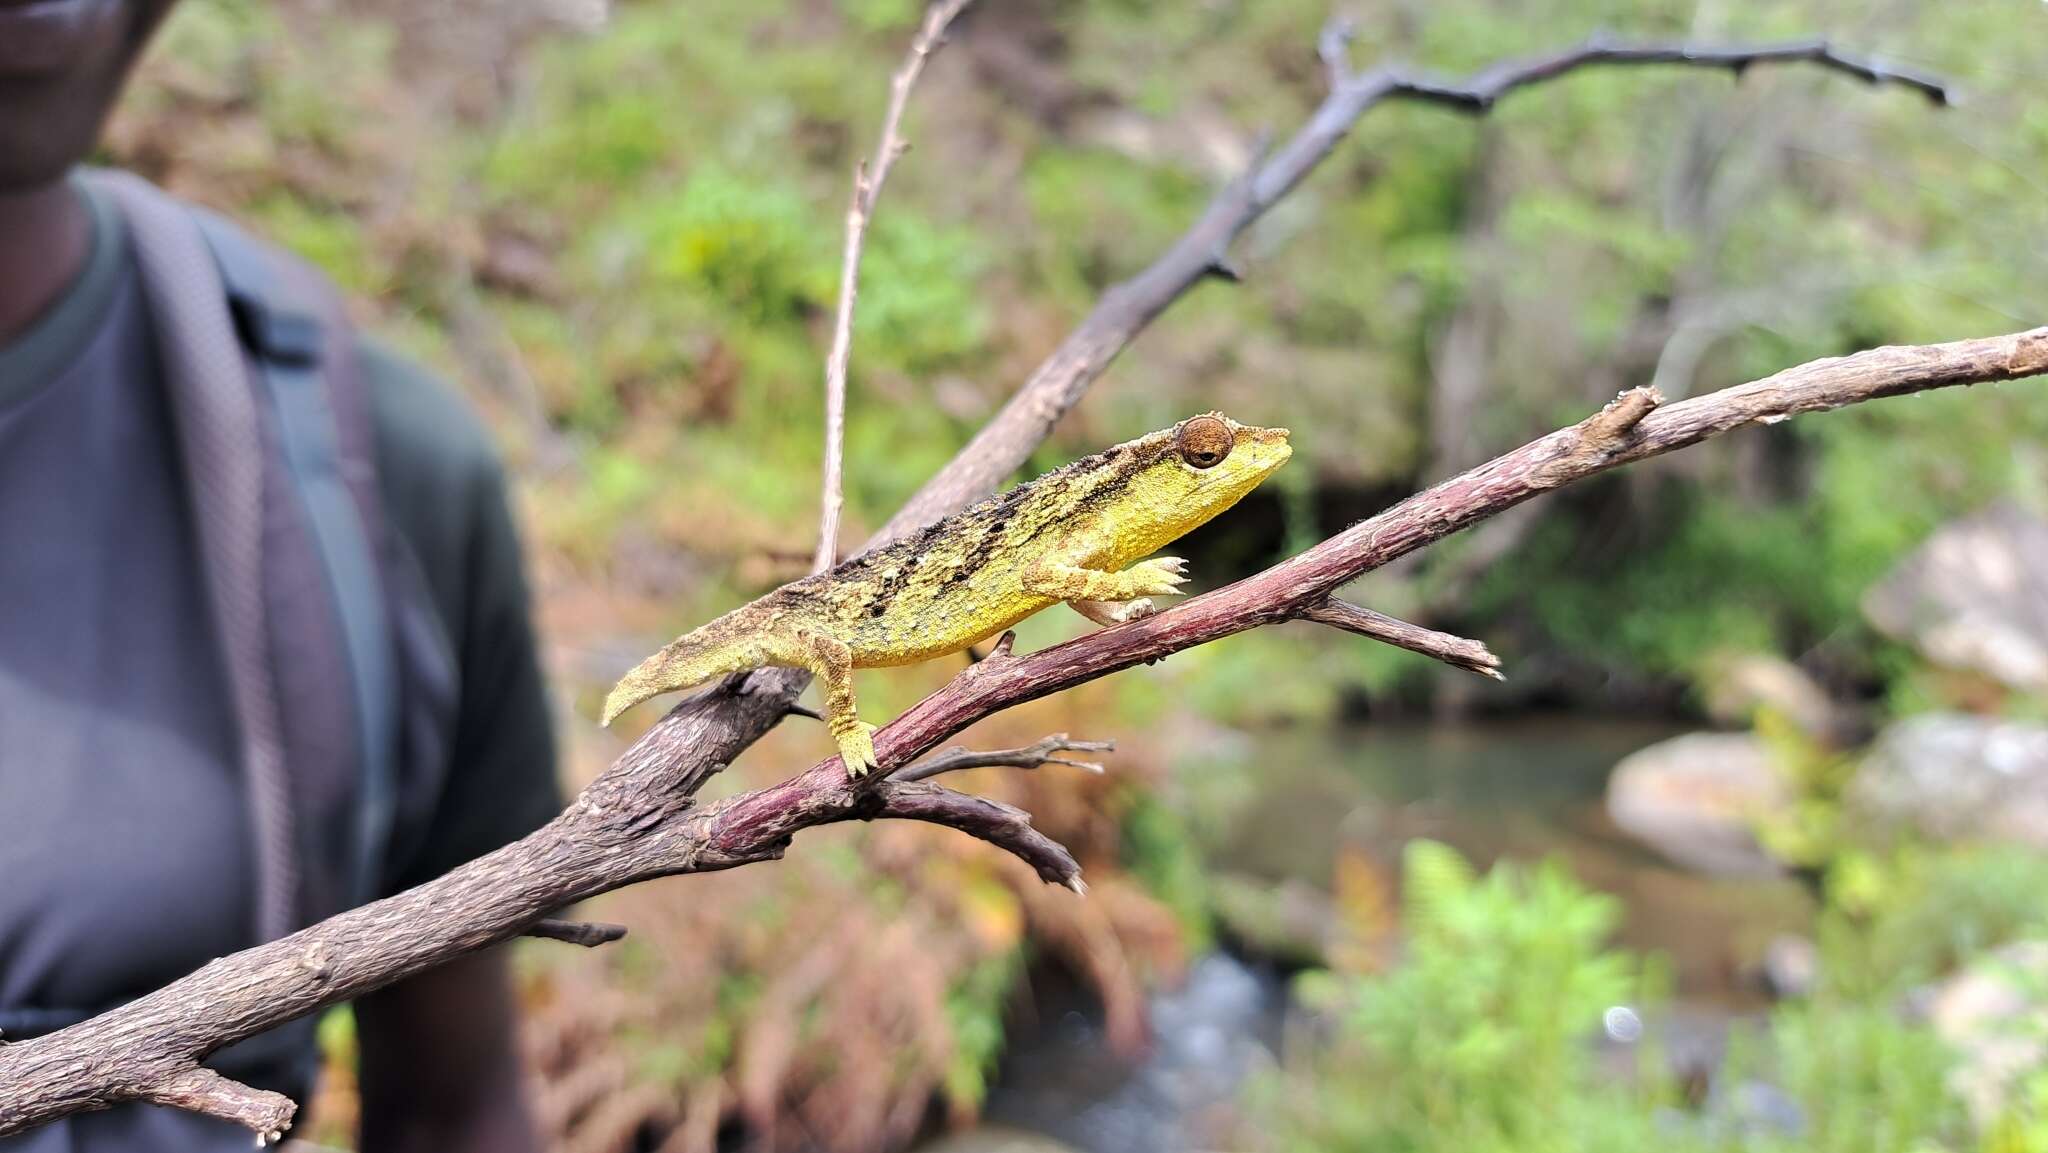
856, 747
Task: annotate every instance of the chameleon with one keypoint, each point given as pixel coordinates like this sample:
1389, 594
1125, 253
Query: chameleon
1070, 535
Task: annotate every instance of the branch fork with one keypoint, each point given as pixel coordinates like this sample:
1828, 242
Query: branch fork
1044, 752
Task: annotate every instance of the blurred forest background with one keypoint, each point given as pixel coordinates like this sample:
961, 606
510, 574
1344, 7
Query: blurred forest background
1808, 910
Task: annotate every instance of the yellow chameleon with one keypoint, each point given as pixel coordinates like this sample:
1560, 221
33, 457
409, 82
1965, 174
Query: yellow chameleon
1066, 536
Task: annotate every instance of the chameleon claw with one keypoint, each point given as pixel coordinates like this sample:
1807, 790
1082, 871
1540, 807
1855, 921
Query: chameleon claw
857, 749
1159, 576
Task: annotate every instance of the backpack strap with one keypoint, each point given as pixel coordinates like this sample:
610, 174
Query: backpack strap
218, 428
280, 467
285, 343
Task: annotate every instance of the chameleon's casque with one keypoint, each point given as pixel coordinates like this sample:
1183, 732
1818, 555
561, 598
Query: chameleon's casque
1066, 536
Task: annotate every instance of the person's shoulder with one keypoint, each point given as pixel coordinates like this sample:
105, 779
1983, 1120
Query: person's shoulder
441, 482
430, 442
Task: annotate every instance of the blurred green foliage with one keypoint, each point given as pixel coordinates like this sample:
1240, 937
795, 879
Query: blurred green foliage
1479, 1039
1482, 1038
1894, 920
1161, 852
975, 1009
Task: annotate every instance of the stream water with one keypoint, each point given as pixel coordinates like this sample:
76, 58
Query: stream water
1298, 799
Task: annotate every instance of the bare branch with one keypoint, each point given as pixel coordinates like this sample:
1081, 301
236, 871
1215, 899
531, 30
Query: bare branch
1334, 47
1044, 752
630, 824
201, 1090
1478, 92
1005, 826
1006, 441
589, 934
868, 177
1456, 651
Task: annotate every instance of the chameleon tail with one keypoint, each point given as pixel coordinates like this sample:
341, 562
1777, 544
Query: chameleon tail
687, 661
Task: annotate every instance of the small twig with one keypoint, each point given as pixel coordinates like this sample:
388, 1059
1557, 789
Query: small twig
1456, 651
868, 176
1334, 46
589, 934
1605, 434
1478, 92
1044, 752
1005, 826
201, 1090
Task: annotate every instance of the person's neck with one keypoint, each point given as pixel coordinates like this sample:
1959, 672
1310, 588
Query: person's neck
45, 237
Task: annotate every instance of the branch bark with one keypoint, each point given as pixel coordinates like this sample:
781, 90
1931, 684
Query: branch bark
639, 820
1455, 651
1043, 752
1005, 826
868, 178
589, 934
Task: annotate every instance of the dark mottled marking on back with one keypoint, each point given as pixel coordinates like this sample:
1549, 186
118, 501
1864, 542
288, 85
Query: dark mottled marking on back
885, 594
978, 554
981, 532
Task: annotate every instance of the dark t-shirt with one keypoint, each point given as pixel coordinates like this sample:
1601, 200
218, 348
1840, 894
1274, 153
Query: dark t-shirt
125, 856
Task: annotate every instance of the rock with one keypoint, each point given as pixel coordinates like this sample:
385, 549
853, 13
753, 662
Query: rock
1950, 776
1289, 922
1790, 966
995, 1139
1740, 685
1749, 1110
1991, 1014
1975, 596
1697, 798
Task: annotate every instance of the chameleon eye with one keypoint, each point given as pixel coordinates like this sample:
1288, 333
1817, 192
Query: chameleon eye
1204, 441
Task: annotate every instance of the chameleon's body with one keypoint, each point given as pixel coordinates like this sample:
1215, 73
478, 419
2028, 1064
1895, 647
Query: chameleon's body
1066, 536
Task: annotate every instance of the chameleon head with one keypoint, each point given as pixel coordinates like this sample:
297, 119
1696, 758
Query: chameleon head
1202, 466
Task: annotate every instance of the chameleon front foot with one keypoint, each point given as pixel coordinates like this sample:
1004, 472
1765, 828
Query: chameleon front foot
1160, 576
856, 747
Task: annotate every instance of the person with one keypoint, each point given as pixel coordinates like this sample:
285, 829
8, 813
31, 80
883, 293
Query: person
129, 846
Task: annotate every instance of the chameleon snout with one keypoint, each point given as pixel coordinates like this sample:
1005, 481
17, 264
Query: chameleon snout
1270, 448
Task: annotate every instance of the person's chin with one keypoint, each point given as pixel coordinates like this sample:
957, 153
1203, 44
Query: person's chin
44, 38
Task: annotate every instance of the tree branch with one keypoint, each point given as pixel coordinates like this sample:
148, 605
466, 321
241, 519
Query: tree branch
868, 178
588, 934
201, 1090
1456, 651
1045, 752
638, 819
1005, 826
1478, 92
1003, 445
